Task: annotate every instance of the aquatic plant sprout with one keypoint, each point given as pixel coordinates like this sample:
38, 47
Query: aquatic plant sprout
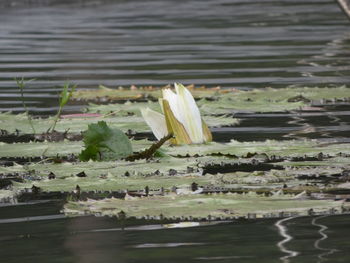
21, 85
181, 117
64, 97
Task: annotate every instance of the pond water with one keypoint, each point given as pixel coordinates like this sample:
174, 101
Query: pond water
97, 239
230, 43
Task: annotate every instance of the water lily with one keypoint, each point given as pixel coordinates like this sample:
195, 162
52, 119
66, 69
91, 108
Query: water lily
180, 116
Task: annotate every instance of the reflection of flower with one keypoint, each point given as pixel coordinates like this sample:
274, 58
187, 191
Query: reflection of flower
181, 117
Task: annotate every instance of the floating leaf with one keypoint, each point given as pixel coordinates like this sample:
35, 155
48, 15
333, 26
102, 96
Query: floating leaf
104, 143
226, 206
13, 123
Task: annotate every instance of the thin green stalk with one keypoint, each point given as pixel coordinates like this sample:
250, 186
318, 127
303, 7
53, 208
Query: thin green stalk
21, 85
57, 116
63, 99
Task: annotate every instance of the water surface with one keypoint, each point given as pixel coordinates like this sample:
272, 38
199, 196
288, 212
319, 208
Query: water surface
230, 43
96, 239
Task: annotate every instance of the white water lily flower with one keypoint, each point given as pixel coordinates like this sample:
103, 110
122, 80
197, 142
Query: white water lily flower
181, 117
156, 121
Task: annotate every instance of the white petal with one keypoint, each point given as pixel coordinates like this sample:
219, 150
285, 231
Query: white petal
160, 100
172, 98
189, 114
155, 121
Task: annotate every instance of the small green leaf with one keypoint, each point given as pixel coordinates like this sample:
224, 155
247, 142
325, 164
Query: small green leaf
66, 94
90, 152
104, 143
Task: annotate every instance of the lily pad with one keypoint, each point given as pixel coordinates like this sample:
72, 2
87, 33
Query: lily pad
19, 123
7, 196
221, 101
271, 100
37, 149
271, 176
106, 176
135, 93
13, 123
268, 147
187, 206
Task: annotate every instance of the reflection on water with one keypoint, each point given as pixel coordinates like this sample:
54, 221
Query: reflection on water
323, 62
324, 236
160, 245
282, 230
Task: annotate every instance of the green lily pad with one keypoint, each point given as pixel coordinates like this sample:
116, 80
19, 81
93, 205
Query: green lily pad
185, 206
269, 147
37, 149
118, 175
167, 172
227, 101
268, 173
117, 94
270, 100
19, 123
6, 195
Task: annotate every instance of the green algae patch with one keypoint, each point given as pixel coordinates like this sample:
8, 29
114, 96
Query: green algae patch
199, 206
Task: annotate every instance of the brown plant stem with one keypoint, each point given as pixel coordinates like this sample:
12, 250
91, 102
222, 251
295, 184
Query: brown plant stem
148, 153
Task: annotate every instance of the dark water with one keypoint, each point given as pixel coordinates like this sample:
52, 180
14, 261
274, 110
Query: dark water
231, 43
93, 239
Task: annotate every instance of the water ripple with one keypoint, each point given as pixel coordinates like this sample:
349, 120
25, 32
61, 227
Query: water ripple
282, 230
324, 236
231, 43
